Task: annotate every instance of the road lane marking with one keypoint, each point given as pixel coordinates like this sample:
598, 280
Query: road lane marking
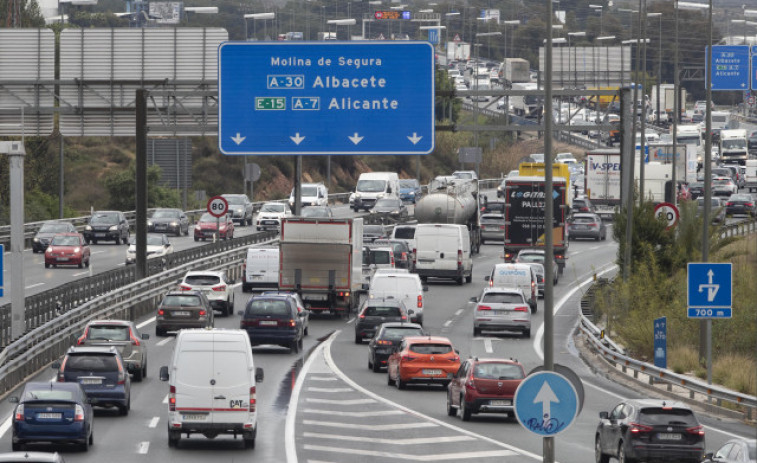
447, 323
163, 342
165, 399
327, 389
145, 323
96, 252
154, 422
6, 425
81, 273
351, 320
340, 401
143, 448
33, 286
371, 427
404, 456
322, 378
360, 414
488, 345
458, 312
409, 441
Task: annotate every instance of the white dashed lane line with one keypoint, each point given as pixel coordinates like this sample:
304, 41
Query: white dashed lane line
143, 447
153, 422
163, 342
488, 345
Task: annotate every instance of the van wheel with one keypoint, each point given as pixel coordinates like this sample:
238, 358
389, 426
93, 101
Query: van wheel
249, 442
469, 278
138, 376
527, 333
459, 281
173, 438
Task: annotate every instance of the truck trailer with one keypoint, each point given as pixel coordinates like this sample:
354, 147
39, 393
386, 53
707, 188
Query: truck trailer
452, 200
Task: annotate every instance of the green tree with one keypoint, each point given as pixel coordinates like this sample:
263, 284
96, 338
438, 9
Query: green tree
121, 188
28, 14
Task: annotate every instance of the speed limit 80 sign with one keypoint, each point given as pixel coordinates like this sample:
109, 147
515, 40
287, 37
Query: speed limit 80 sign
668, 212
218, 206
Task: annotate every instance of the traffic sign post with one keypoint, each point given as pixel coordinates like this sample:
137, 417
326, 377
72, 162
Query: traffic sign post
709, 290
660, 342
218, 207
729, 68
546, 403
322, 98
2, 253
669, 213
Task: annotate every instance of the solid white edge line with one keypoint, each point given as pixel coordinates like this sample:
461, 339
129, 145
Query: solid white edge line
6, 425
145, 323
348, 380
289, 438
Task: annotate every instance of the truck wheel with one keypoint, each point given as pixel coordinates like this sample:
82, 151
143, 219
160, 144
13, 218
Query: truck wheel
469, 278
173, 438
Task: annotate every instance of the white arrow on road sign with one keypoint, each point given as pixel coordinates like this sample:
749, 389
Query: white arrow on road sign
356, 138
238, 139
546, 396
712, 289
414, 139
297, 139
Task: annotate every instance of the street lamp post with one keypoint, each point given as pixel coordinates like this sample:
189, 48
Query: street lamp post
659, 70
607, 53
575, 59
255, 16
601, 22
446, 17
513, 22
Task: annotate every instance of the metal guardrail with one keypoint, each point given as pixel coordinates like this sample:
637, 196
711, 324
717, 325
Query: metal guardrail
616, 355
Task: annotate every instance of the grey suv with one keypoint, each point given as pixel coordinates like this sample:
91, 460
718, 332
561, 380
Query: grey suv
240, 208
125, 337
107, 226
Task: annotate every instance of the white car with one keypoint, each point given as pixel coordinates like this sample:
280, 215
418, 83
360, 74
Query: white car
216, 285
158, 246
566, 158
270, 215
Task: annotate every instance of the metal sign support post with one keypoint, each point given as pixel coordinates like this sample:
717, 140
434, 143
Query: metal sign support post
628, 158
297, 185
642, 104
549, 442
16, 152
140, 229
705, 327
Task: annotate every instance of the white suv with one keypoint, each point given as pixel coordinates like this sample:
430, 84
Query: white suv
215, 284
270, 215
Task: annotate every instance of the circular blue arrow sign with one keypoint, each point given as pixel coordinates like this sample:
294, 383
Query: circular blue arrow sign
546, 403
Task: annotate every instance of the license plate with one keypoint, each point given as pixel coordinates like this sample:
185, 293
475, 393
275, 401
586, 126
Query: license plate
180, 313
91, 381
193, 417
432, 372
579, 227
499, 403
49, 416
268, 323
100, 235
257, 277
62, 259
669, 436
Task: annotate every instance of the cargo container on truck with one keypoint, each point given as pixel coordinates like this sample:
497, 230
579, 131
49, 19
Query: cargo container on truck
750, 175
322, 260
452, 200
514, 70
525, 200
602, 180
528, 106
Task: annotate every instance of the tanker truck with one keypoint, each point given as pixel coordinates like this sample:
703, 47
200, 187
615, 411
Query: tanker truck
452, 200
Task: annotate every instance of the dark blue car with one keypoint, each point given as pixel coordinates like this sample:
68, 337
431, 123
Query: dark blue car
274, 320
52, 412
410, 190
101, 373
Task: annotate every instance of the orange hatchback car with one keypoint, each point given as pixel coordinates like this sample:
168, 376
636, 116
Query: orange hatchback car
423, 359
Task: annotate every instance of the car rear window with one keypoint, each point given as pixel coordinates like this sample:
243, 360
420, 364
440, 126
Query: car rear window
662, 416
48, 394
182, 300
492, 219
503, 298
268, 307
90, 363
583, 220
498, 371
399, 333
108, 333
382, 312
431, 349
381, 257
202, 280
405, 233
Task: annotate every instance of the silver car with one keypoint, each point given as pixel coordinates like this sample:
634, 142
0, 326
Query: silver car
501, 309
124, 335
492, 227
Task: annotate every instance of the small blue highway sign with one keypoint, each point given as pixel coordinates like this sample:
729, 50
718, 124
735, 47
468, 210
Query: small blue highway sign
661, 342
316, 98
730, 67
709, 290
546, 403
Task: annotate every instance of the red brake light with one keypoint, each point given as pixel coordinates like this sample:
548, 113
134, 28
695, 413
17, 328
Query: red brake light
219, 288
382, 342
361, 316
185, 287
203, 313
415, 256
78, 413
420, 301
729, 203
637, 428
391, 259
80, 341
253, 400
470, 384
748, 204
521, 309
404, 317
19, 413
459, 257
161, 312
121, 374
134, 340
483, 307
696, 430
292, 323
172, 398
61, 376
404, 255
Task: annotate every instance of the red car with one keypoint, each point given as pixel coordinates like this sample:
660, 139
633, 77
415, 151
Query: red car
205, 228
484, 386
67, 249
422, 359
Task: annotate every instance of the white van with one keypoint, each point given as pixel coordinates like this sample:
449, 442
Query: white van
260, 269
406, 287
750, 175
443, 251
372, 186
211, 381
311, 194
520, 276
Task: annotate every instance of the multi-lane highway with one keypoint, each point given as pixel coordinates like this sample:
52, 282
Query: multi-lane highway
325, 405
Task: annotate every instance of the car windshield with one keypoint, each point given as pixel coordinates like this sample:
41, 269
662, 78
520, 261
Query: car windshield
740, 198
48, 394
431, 349
104, 218
396, 333
381, 257
65, 240
666, 416
371, 186
152, 240
713, 201
108, 333
309, 191
273, 207
730, 144
183, 300
91, 363
234, 200
206, 217
55, 228
387, 203
267, 307
376, 311
166, 214
405, 233
498, 371
202, 280
408, 183
502, 298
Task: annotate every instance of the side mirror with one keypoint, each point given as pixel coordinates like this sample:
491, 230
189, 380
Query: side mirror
366, 286
709, 456
55, 365
410, 312
486, 278
145, 336
425, 288
258, 375
473, 299
163, 375
302, 314
13, 400
457, 351
603, 415
240, 313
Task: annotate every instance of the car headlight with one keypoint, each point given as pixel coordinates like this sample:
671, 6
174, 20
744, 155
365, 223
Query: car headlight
174, 224
357, 195
77, 250
149, 223
88, 227
380, 195
36, 240
113, 228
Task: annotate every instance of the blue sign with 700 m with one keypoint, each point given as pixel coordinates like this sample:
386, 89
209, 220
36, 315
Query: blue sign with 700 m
326, 98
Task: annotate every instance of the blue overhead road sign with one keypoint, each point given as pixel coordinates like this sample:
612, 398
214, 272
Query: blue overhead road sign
730, 67
753, 72
709, 290
362, 97
546, 403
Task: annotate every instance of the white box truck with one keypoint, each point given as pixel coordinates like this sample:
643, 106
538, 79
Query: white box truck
322, 260
602, 180
750, 174
733, 146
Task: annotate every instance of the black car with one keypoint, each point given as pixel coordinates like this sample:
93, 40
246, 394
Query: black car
102, 374
390, 207
387, 337
737, 450
696, 189
183, 309
375, 312
586, 225
274, 320
107, 226
649, 429
583, 205
47, 231
717, 209
168, 221
402, 252
240, 208
741, 204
